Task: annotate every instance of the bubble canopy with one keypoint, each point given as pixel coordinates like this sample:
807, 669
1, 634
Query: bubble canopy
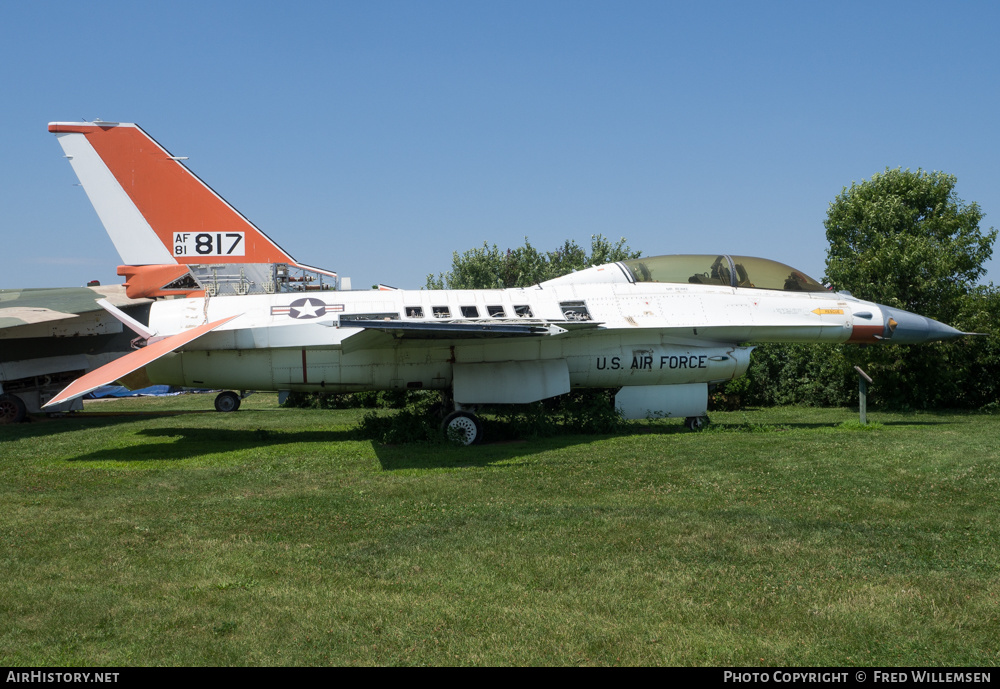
729, 271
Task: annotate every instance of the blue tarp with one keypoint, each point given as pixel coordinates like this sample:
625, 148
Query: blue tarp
121, 391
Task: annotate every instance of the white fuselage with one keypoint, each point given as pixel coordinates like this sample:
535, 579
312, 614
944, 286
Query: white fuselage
611, 333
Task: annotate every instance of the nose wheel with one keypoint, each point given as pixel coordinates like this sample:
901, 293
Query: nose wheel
696, 423
463, 427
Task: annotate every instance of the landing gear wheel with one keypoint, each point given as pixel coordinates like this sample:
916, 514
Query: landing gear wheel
227, 401
696, 423
463, 427
12, 409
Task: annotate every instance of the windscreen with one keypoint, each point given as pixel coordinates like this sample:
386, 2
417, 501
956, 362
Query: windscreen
731, 271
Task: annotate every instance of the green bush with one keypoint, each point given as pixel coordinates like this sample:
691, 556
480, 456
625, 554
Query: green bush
814, 375
585, 411
369, 399
591, 412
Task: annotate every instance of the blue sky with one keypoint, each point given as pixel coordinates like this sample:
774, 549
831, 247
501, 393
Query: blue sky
376, 138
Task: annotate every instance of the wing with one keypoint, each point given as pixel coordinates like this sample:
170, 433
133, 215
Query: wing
375, 334
60, 312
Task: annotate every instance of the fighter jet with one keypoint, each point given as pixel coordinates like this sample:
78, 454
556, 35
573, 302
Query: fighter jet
662, 330
49, 337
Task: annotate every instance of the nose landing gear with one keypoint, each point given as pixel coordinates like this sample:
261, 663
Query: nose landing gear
696, 423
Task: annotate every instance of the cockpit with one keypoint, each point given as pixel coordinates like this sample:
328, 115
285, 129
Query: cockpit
729, 271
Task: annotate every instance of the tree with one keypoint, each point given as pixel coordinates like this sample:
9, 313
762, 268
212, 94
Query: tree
906, 240
492, 268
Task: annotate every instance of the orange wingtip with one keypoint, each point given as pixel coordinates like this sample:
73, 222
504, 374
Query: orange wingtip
120, 368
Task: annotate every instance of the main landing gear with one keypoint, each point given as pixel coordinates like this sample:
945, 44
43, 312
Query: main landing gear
463, 427
227, 401
460, 426
12, 409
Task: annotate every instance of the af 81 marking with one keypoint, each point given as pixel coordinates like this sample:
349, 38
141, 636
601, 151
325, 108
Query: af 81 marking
209, 244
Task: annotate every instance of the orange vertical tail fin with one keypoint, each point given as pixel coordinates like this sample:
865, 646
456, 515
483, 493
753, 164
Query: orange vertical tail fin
159, 213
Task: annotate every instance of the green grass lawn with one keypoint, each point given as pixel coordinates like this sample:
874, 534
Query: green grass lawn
159, 532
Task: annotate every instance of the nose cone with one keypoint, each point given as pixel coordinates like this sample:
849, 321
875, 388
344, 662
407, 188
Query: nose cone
903, 327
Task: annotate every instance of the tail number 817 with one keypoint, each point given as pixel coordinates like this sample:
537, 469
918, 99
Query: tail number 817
209, 244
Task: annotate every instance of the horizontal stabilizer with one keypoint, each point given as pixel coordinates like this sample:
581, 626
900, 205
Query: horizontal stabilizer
126, 320
132, 362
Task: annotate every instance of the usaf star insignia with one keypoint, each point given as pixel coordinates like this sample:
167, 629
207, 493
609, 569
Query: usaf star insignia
304, 308
307, 307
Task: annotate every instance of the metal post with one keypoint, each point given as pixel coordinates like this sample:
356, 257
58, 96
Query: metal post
863, 381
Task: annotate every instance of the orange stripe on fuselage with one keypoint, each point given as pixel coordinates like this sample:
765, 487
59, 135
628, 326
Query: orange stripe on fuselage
170, 197
865, 333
